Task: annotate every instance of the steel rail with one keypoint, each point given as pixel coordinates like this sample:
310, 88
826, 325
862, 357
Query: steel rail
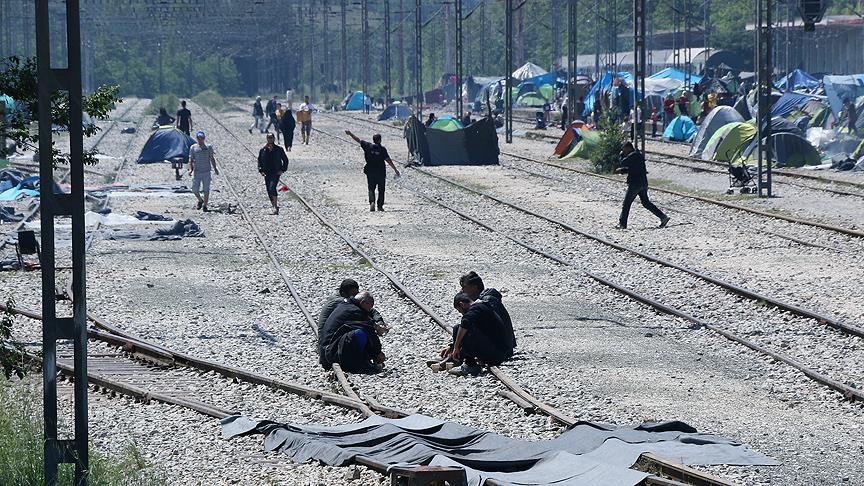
717, 202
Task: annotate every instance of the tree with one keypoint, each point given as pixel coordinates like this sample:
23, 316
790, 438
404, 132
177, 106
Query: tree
18, 79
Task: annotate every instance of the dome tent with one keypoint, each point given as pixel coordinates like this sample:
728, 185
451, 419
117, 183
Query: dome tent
353, 101
528, 70
532, 100
681, 128
396, 111
789, 149
165, 144
446, 123
729, 141
719, 116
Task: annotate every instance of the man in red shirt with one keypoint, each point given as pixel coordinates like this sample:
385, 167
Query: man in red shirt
668, 110
683, 101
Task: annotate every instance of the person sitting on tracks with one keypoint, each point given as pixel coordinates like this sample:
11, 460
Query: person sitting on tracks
272, 162
351, 338
472, 285
347, 289
478, 339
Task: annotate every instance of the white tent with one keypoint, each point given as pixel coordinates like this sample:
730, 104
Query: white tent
528, 70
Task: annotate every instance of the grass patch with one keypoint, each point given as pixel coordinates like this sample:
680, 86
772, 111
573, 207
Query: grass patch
168, 101
210, 99
21, 453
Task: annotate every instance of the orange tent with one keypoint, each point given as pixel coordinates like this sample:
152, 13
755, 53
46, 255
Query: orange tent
567, 139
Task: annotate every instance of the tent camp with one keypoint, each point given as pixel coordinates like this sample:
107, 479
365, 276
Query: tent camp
165, 144
791, 101
446, 123
798, 79
396, 111
672, 73
789, 149
571, 137
719, 116
729, 141
477, 144
840, 88
353, 101
681, 129
604, 82
528, 70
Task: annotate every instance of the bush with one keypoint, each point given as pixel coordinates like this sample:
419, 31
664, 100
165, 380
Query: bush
210, 99
604, 157
168, 101
21, 449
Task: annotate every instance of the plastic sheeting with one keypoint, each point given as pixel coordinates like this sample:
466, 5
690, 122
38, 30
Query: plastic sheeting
840, 88
528, 70
798, 79
587, 454
476, 144
672, 73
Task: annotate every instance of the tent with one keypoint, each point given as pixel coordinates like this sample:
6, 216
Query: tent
582, 148
9, 106
789, 102
446, 123
789, 149
798, 79
719, 116
743, 108
571, 137
672, 73
165, 144
682, 129
353, 101
528, 70
547, 91
532, 100
604, 82
840, 88
476, 144
396, 111
524, 88
729, 141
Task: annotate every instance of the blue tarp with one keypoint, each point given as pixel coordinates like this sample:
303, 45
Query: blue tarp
26, 187
682, 129
395, 112
603, 83
548, 78
675, 74
354, 101
789, 102
798, 79
165, 144
840, 88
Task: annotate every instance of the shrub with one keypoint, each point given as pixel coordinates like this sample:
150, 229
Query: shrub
168, 101
21, 450
604, 156
210, 99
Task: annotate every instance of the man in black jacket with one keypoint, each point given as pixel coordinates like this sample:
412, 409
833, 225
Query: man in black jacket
376, 172
478, 338
347, 289
472, 285
270, 111
272, 162
632, 163
351, 338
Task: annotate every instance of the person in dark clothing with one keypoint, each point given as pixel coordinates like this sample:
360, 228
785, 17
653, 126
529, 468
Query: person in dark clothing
478, 338
272, 162
668, 110
376, 172
287, 125
270, 111
683, 103
633, 164
257, 115
351, 338
851, 116
466, 120
579, 108
472, 285
347, 289
184, 118
430, 120
164, 118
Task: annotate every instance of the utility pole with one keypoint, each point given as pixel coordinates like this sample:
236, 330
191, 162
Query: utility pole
344, 53
676, 30
448, 53
400, 47
556, 31
597, 38
365, 33
387, 67
688, 65
764, 68
482, 43
311, 50
508, 71
59, 451
418, 58
328, 74
458, 12
639, 61
572, 53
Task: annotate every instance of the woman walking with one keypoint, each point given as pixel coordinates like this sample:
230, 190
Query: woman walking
287, 125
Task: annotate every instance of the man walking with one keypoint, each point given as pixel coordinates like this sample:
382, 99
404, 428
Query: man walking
304, 115
201, 158
376, 172
633, 164
184, 119
270, 110
258, 115
851, 116
272, 162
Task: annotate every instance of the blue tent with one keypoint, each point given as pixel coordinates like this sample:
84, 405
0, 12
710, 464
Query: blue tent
165, 144
791, 101
353, 101
395, 112
675, 74
840, 88
548, 78
682, 129
798, 79
603, 83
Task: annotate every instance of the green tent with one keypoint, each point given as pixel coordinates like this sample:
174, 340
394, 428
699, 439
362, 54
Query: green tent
446, 123
583, 148
531, 100
547, 91
859, 152
729, 141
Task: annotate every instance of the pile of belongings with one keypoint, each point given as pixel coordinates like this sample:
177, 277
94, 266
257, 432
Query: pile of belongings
15, 184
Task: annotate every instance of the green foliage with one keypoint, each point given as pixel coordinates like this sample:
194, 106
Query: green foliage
168, 101
210, 99
11, 357
21, 446
18, 79
604, 157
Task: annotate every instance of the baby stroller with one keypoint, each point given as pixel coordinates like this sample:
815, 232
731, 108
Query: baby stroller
741, 177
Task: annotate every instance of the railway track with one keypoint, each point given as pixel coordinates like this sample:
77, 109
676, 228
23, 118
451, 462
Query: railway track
810, 320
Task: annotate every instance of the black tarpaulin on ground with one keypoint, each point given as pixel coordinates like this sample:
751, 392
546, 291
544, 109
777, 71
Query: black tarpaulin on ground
587, 454
476, 144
